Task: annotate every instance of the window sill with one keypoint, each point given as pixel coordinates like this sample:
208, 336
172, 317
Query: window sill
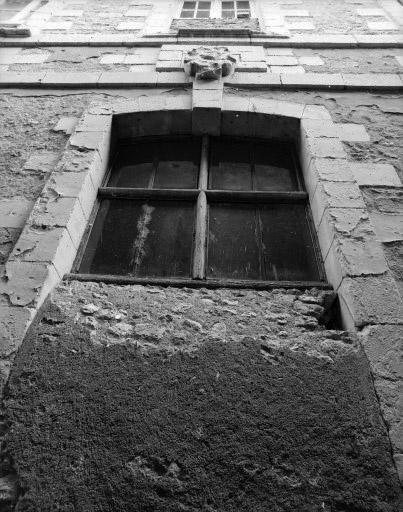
197, 283
14, 30
216, 26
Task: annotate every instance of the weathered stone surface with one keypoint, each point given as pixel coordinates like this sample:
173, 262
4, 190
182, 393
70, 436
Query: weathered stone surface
27, 283
388, 226
14, 212
383, 346
209, 63
14, 322
370, 300
371, 174
215, 26
165, 401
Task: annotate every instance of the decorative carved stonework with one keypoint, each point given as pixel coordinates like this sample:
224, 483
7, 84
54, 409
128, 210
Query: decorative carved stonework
209, 63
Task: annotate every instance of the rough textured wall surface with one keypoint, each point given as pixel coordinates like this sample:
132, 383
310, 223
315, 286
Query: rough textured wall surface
144, 398
64, 59
29, 118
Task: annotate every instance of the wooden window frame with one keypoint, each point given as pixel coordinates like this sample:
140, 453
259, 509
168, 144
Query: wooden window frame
236, 10
196, 9
202, 196
216, 10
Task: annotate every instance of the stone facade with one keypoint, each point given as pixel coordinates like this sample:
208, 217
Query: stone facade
139, 397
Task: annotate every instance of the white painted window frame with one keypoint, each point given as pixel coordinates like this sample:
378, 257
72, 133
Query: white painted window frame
215, 9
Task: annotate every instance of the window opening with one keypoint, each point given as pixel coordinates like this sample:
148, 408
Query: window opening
208, 209
196, 9
235, 9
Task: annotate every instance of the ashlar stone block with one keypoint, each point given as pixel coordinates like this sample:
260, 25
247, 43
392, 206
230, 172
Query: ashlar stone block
63, 212
293, 70
281, 60
350, 132
316, 112
354, 257
326, 169
31, 58
319, 147
67, 184
14, 212
50, 245
88, 140
382, 25
94, 123
388, 226
112, 59
370, 300
318, 128
206, 106
310, 60
373, 174
14, 322
28, 283
66, 125
335, 195
41, 161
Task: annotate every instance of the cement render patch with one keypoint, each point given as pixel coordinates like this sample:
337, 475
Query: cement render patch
180, 378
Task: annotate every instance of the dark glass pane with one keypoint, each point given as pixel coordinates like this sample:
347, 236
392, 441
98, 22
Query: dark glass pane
178, 165
242, 5
288, 253
204, 6
133, 166
230, 167
227, 5
189, 5
274, 167
203, 14
228, 14
187, 14
233, 246
169, 164
268, 242
141, 239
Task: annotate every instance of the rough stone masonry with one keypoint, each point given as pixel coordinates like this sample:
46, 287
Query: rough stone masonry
161, 398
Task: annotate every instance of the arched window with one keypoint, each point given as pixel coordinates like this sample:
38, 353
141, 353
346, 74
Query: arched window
209, 209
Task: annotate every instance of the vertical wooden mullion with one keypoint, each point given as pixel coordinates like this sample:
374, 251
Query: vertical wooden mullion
200, 245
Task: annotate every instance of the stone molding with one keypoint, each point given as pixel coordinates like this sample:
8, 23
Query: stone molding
320, 81
347, 41
351, 252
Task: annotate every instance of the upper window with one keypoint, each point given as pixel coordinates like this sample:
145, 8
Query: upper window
197, 9
205, 209
237, 9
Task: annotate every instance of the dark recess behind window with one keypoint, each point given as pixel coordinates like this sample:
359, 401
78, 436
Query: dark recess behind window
256, 217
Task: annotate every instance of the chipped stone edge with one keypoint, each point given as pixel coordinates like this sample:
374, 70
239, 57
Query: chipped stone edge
353, 257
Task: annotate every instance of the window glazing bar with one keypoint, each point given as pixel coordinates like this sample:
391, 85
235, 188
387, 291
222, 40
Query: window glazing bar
147, 193
256, 196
